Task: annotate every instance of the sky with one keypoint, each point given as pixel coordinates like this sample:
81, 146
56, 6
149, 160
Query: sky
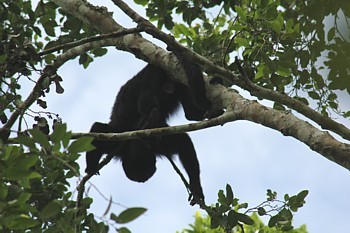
249, 157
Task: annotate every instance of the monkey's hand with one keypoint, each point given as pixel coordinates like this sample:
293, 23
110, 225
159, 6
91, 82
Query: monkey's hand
196, 195
90, 171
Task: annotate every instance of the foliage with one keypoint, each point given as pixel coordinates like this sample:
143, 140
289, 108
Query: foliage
227, 214
202, 224
282, 45
34, 186
25, 31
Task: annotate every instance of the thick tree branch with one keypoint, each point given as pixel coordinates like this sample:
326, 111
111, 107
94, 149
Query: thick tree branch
96, 17
286, 123
101, 20
255, 90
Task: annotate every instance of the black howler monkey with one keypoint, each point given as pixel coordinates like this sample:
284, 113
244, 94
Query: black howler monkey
147, 101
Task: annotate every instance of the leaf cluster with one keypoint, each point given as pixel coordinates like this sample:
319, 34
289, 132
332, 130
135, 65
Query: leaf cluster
283, 219
26, 32
202, 224
227, 213
35, 175
35, 179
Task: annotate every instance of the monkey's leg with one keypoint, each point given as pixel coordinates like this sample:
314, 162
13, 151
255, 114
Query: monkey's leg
102, 147
182, 145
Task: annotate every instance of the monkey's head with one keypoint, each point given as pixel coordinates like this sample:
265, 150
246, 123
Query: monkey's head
139, 169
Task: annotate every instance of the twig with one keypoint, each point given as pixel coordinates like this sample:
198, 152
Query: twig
81, 186
91, 39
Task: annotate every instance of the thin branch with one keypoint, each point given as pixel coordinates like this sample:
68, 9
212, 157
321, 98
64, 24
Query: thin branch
90, 39
137, 134
51, 69
81, 186
242, 109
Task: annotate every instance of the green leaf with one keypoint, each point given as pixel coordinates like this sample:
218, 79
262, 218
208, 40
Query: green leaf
83, 58
25, 140
285, 72
314, 95
261, 211
99, 52
318, 79
242, 42
25, 162
168, 22
347, 114
286, 197
66, 139
331, 34
9, 150
221, 197
40, 138
276, 25
298, 200
51, 209
260, 73
34, 175
141, 2
229, 194
278, 106
49, 27
81, 145
241, 13
3, 58
287, 227
232, 218
14, 7
22, 222
273, 221
16, 173
58, 133
23, 198
3, 190
182, 29
128, 215
301, 99
271, 195
302, 195
270, 64
245, 219
243, 206
124, 230
285, 215
289, 26
224, 207
49, 58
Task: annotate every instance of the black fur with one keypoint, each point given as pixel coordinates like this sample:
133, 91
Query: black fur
147, 101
